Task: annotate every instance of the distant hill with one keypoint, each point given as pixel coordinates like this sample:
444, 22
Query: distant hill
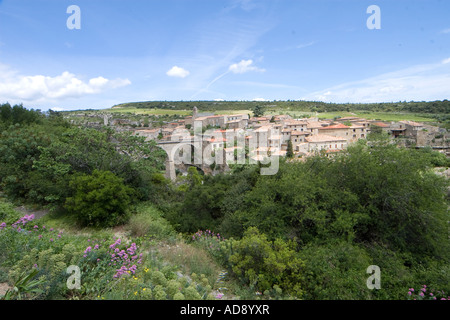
432, 107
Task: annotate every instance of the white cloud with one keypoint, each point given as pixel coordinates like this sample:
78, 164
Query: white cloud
418, 83
34, 88
244, 66
259, 99
57, 109
446, 30
178, 72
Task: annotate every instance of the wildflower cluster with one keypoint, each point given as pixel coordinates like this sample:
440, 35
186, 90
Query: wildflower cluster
127, 258
425, 293
213, 243
21, 222
124, 258
207, 234
208, 240
24, 220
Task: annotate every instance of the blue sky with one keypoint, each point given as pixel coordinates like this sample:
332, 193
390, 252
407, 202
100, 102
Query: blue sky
141, 50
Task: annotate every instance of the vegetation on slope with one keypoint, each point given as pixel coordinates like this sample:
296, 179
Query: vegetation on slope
308, 232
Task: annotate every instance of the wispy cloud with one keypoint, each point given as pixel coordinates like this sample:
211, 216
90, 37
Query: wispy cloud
305, 45
418, 83
241, 67
294, 47
445, 30
246, 5
225, 44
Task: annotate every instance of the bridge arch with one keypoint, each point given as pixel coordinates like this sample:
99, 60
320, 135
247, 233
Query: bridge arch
190, 149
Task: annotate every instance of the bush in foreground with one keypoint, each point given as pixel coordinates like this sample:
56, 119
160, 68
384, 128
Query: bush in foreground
99, 200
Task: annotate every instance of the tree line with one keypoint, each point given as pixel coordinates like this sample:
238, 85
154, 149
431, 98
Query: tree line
430, 107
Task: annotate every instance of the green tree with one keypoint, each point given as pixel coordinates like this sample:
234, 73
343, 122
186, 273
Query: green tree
100, 199
290, 150
258, 111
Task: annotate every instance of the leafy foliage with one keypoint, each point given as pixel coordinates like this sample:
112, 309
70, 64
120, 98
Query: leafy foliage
100, 199
263, 264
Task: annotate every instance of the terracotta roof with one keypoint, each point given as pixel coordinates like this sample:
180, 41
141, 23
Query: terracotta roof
316, 124
263, 128
412, 123
335, 126
380, 124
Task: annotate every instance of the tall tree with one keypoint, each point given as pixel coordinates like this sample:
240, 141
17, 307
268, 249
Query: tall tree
290, 150
258, 111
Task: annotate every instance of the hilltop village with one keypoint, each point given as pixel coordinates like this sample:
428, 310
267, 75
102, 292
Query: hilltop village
306, 136
303, 137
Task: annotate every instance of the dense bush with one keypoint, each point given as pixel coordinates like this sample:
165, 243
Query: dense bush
100, 199
263, 264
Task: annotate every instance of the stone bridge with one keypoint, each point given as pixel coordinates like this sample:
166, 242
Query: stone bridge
189, 152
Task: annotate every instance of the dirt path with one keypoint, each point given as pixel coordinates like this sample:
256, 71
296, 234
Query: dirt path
37, 213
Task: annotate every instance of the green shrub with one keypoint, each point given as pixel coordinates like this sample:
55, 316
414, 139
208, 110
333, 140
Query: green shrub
263, 264
335, 271
99, 200
7, 213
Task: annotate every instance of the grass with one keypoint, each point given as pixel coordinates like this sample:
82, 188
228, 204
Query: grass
139, 111
190, 259
382, 116
220, 112
148, 222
